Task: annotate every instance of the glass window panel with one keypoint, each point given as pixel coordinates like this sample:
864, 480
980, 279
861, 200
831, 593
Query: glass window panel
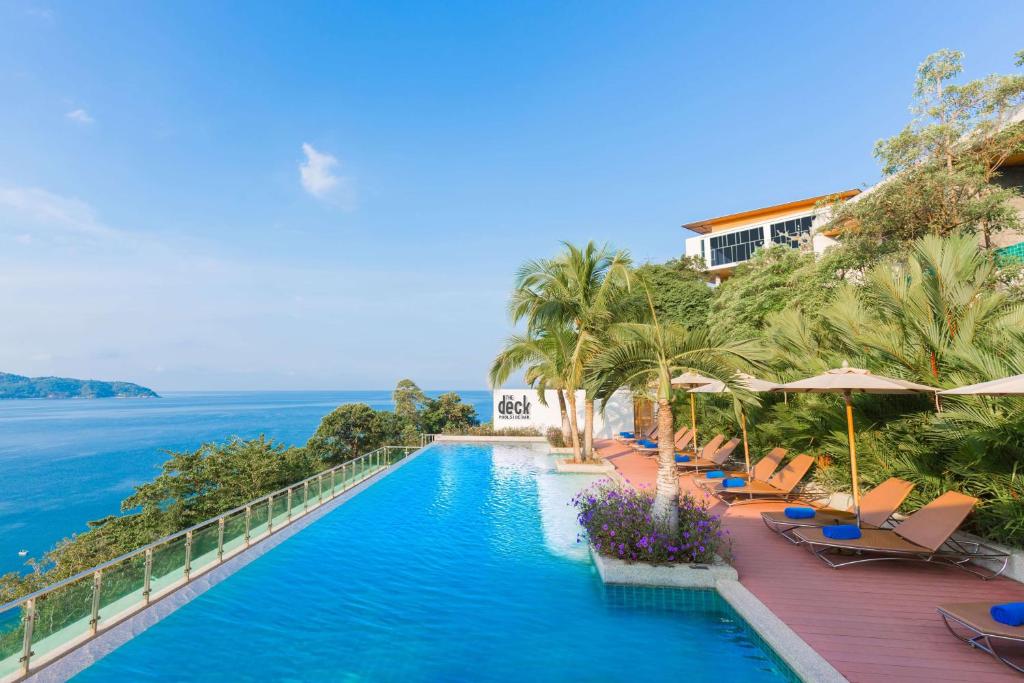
61, 616
122, 587
234, 531
12, 635
168, 565
204, 546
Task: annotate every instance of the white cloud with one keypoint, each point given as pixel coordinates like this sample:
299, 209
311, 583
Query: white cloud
49, 212
320, 180
80, 116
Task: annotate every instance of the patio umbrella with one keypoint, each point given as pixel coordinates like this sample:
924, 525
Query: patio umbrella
849, 381
751, 383
1008, 386
691, 380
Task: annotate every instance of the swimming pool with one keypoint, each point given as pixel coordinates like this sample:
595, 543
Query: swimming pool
462, 565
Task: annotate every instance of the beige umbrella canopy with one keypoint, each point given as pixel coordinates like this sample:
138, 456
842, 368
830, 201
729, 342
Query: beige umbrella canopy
691, 380
749, 382
848, 381
1008, 386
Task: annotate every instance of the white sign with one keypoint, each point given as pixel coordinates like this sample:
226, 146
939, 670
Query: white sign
522, 408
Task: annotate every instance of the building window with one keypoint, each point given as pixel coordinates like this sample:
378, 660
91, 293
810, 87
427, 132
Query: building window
788, 233
736, 246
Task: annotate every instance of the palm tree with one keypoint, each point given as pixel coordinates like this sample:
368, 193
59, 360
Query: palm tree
645, 356
546, 357
582, 288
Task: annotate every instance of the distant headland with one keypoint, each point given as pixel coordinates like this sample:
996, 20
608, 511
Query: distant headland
19, 386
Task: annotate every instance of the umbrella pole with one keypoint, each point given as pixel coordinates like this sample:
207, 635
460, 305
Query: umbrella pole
853, 455
743, 428
693, 420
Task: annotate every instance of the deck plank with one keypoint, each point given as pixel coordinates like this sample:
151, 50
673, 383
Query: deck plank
873, 622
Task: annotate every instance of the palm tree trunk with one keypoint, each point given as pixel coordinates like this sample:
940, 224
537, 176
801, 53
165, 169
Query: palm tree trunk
574, 428
666, 493
588, 429
566, 431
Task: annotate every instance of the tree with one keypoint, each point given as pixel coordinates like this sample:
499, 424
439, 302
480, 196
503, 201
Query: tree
644, 355
546, 356
940, 169
583, 288
352, 429
409, 399
679, 290
448, 414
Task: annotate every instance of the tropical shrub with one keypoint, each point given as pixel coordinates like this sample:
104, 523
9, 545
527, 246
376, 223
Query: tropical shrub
619, 523
555, 437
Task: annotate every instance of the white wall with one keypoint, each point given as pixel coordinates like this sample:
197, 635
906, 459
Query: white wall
522, 408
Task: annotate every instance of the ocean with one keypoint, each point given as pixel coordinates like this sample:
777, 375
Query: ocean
67, 461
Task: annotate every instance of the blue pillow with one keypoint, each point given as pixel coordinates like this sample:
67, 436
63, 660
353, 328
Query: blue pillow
715, 474
799, 513
626, 435
647, 444
1010, 613
841, 532
733, 482
682, 458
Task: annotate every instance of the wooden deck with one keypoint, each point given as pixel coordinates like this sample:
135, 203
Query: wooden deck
874, 622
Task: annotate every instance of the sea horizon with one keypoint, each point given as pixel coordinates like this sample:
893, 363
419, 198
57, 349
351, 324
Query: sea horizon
70, 461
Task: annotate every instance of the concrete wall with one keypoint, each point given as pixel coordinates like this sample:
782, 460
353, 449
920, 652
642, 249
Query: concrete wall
522, 408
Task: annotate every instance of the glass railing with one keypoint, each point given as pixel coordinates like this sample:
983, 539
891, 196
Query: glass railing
42, 626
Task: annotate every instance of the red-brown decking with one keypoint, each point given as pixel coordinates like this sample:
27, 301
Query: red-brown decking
873, 622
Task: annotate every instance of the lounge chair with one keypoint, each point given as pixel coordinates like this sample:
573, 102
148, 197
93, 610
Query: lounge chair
925, 536
779, 486
972, 623
712, 456
876, 508
761, 470
651, 433
682, 437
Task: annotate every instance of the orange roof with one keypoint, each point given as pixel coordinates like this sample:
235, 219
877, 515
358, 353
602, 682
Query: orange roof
709, 224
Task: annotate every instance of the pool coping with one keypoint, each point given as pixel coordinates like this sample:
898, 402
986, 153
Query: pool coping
96, 648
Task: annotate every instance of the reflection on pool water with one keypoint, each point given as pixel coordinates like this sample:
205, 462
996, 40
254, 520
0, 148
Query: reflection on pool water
462, 565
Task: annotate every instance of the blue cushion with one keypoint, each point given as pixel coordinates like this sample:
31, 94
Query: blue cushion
716, 474
841, 532
647, 444
799, 512
682, 458
733, 482
1010, 613
627, 435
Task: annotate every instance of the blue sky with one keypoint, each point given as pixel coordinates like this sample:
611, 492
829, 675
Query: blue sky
211, 195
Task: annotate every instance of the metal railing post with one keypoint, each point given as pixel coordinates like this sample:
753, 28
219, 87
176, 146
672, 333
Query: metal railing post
220, 540
147, 576
305, 496
26, 643
270, 514
94, 615
248, 523
188, 555
320, 486
334, 484
289, 516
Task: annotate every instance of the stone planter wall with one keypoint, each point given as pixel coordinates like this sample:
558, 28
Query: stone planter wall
676, 576
567, 466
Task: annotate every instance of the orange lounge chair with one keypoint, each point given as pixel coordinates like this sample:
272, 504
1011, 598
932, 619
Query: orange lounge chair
682, 437
925, 536
972, 623
712, 456
876, 508
779, 486
761, 470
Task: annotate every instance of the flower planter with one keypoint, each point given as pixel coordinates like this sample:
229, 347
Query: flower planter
560, 450
613, 570
599, 467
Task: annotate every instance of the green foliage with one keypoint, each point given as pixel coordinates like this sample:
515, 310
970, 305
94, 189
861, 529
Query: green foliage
352, 429
447, 414
409, 400
679, 290
763, 285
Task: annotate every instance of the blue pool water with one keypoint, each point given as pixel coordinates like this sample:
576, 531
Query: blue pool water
65, 462
462, 565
